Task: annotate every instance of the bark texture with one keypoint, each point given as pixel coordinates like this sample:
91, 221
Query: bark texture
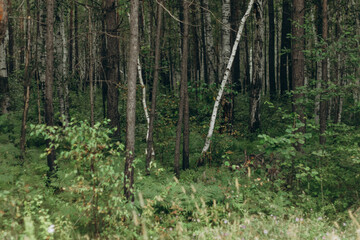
184, 102
298, 59
324, 65
49, 81
150, 140
131, 100
285, 59
257, 77
111, 64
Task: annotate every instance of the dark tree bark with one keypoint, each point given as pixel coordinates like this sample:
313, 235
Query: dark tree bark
11, 58
184, 80
111, 66
298, 59
255, 85
131, 100
49, 109
91, 68
272, 81
323, 102
150, 141
27, 78
183, 104
285, 59
71, 40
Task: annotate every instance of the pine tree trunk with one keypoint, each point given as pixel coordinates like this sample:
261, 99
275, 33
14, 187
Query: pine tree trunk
150, 140
285, 59
27, 79
324, 105
91, 68
184, 80
298, 60
256, 83
183, 91
272, 81
49, 109
209, 42
111, 65
131, 100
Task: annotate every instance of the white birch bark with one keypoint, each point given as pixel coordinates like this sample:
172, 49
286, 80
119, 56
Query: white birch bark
143, 87
225, 78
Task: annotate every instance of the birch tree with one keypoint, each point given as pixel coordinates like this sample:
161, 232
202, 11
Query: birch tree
223, 84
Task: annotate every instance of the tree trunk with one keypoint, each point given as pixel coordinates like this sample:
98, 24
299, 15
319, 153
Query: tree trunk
111, 67
298, 60
27, 78
4, 84
209, 43
272, 81
91, 68
184, 81
11, 64
324, 64
255, 86
131, 100
150, 140
285, 59
223, 83
183, 91
49, 109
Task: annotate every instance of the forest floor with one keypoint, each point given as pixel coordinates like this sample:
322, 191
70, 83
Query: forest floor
211, 202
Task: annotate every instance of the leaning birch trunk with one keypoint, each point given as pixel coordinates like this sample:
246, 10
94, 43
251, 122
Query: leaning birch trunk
143, 87
224, 81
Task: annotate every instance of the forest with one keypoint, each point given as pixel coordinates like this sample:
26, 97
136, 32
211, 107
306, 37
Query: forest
165, 119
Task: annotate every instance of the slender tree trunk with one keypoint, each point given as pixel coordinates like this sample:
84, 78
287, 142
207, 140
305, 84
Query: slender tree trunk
27, 78
209, 42
298, 60
183, 85
150, 140
131, 100
324, 105
49, 109
4, 84
184, 80
111, 67
11, 59
255, 86
223, 83
272, 81
285, 59
91, 68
